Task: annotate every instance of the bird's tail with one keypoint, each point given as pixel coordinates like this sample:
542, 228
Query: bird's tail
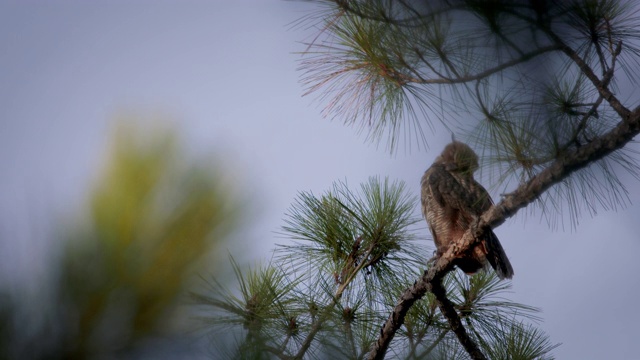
497, 257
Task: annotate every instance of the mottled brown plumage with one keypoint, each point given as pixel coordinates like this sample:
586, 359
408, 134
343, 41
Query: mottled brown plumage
452, 200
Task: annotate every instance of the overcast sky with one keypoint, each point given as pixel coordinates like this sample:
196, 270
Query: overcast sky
226, 72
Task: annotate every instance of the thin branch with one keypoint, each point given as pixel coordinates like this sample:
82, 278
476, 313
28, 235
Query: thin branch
487, 72
606, 79
510, 43
428, 64
600, 85
407, 299
562, 167
600, 53
583, 122
448, 310
283, 347
421, 337
277, 352
381, 17
433, 345
585, 68
317, 325
416, 19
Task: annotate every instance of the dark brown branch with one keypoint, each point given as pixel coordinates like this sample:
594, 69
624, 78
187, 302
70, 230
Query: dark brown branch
526, 193
411, 21
606, 79
510, 43
583, 122
600, 53
561, 168
448, 310
488, 72
428, 64
600, 85
443, 265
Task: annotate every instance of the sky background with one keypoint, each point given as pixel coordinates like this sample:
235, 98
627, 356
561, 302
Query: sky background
225, 72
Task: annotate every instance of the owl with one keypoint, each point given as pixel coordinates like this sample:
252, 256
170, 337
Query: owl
451, 201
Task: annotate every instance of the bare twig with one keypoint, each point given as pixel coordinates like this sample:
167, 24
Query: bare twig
488, 72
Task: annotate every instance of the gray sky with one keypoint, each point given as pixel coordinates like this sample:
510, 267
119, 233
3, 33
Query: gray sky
226, 72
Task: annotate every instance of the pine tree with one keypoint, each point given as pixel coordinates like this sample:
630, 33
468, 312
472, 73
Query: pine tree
535, 86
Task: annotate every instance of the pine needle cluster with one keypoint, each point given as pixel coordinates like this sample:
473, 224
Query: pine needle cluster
327, 293
524, 82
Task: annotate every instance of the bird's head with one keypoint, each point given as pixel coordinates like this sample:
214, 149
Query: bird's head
459, 157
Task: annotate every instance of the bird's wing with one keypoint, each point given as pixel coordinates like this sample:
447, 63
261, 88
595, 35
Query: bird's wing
482, 199
448, 192
494, 251
496, 255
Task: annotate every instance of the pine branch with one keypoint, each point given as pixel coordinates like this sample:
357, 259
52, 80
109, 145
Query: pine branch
606, 79
433, 345
448, 310
408, 298
526, 193
413, 20
601, 85
434, 275
483, 74
336, 299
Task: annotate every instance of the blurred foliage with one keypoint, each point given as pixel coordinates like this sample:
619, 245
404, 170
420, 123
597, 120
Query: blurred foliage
151, 225
152, 219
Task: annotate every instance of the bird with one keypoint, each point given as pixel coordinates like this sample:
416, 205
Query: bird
452, 200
